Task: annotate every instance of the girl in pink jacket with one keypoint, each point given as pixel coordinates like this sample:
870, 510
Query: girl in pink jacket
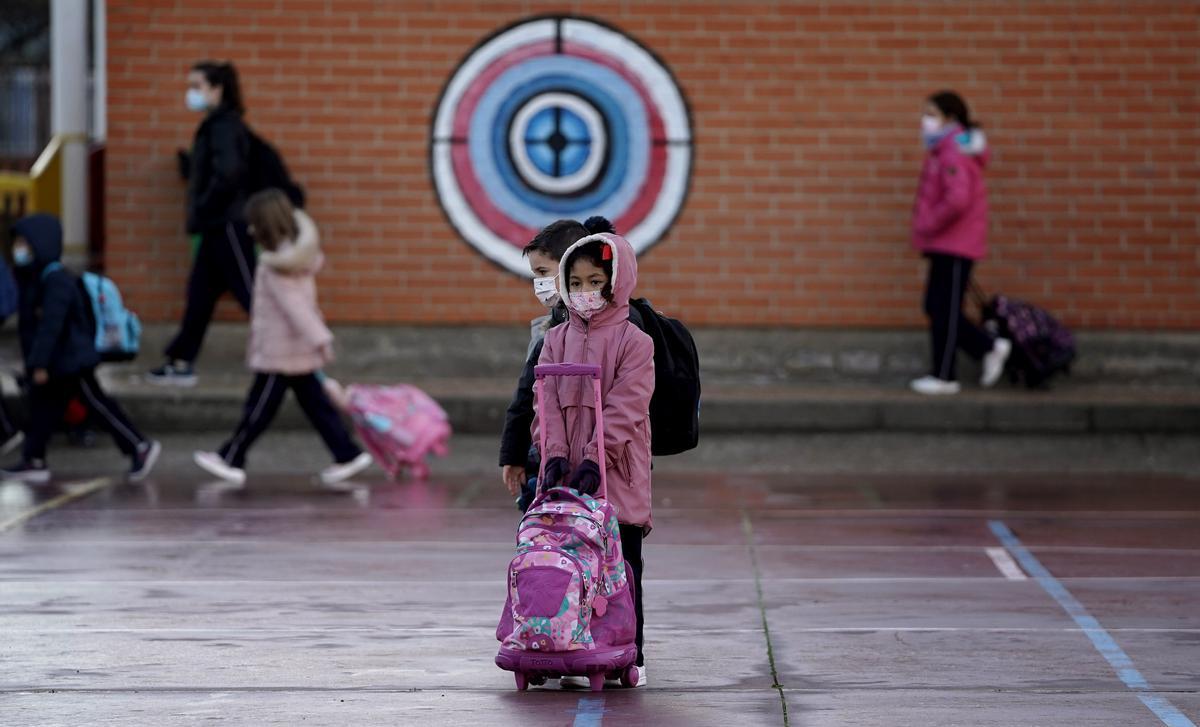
597, 277
949, 226
289, 343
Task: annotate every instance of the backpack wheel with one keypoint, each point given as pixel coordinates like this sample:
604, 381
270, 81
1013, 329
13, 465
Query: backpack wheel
630, 677
522, 682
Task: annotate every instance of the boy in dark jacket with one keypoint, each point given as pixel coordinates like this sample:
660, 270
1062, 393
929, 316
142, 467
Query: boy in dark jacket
58, 343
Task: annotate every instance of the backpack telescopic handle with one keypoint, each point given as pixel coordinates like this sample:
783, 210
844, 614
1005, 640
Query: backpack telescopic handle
592, 371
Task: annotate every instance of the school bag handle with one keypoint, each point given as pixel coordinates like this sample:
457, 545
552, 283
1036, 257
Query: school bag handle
544, 371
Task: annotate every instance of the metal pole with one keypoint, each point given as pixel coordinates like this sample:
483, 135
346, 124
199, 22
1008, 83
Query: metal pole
99, 71
69, 115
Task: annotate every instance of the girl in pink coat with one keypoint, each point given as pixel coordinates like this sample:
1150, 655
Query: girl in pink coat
289, 343
949, 227
597, 277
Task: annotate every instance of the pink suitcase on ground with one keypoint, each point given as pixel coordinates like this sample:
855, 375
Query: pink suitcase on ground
569, 610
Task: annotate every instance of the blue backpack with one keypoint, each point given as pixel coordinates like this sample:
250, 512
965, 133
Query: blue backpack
118, 329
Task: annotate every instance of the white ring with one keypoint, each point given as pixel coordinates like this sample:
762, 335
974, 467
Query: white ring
540, 180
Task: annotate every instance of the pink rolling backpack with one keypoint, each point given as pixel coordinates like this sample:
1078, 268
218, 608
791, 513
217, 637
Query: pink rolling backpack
399, 425
569, 610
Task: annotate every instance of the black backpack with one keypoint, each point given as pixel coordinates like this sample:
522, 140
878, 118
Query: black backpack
268, 170
675, 406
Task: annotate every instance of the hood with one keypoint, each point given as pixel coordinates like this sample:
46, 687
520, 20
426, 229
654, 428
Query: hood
973, 143
43, 232
624, 278
302, 255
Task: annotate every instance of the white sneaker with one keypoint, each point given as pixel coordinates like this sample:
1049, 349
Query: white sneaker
344, 471
934, 386
574, 682
16, 440
214, 464
993, 362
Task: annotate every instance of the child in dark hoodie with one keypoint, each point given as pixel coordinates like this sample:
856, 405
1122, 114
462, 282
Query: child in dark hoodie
58, 344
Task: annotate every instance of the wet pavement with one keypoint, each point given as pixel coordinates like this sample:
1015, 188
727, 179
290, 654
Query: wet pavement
772, 599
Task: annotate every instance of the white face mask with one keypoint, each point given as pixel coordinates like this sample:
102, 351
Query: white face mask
588, 304
930, 126
546, 290
195, 100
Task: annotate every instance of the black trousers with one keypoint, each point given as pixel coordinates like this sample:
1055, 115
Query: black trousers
262, 404
48, 403
224, 262
631, 548
7, 427
949, 277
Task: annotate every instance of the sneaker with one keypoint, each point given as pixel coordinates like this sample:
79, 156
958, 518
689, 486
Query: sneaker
33, 472
173, 373
16, 440
215, 465
993, 362
934, 386
144, 460
574, 682
340, 472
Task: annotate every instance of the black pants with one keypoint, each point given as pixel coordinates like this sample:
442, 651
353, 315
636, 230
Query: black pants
48, 403
949, 330
263, 402
631, 548
224, 262
7, 427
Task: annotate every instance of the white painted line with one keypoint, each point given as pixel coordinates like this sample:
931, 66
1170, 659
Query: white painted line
1006, 565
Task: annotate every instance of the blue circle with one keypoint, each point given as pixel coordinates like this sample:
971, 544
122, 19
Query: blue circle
573, 134
628, 127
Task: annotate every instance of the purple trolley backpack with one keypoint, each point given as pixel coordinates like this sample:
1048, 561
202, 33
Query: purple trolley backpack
1042, 346
569, 610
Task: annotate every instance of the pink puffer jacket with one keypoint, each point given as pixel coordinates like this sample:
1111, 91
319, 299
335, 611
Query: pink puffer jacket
287, 332
626, 358
950, 216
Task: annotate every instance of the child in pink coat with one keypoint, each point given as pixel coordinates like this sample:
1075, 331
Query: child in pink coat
597, 277
289, 343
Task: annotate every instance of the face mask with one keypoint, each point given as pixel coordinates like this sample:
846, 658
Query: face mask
195, 100
22, 257
588, 304
930, 126
546, 290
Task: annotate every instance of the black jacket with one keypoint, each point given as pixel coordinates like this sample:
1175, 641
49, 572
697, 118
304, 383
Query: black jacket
517, 436
56, 332
218, 171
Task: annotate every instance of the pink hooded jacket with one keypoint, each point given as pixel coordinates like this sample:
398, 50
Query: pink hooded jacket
287, 333
626, 358
950, 216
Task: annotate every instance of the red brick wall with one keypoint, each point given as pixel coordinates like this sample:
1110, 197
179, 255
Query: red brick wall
805, 117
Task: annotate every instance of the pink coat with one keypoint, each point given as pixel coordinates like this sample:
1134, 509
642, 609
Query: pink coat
626, 358
287, 333
951, 212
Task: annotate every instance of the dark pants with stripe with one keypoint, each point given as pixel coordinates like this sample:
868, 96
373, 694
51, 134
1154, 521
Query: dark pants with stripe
262, 404
48, 403
224, 262
631, 548
949, 277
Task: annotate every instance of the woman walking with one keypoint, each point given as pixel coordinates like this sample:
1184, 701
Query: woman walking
217, 172
949, 227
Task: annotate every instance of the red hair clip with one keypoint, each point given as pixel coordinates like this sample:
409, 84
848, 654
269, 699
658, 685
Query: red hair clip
606, 253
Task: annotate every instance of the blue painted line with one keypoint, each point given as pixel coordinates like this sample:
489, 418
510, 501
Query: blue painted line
589, 712
1100, 638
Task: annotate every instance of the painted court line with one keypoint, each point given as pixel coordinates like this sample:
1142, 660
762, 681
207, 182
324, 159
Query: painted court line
1006, 565
75, 491
1100, 638
589, 712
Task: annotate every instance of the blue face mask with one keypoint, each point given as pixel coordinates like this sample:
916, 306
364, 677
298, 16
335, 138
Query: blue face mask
22, 257
195, 100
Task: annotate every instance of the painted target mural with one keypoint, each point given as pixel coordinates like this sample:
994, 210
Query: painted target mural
559, 117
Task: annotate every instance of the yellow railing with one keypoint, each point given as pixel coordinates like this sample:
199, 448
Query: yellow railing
41, 189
